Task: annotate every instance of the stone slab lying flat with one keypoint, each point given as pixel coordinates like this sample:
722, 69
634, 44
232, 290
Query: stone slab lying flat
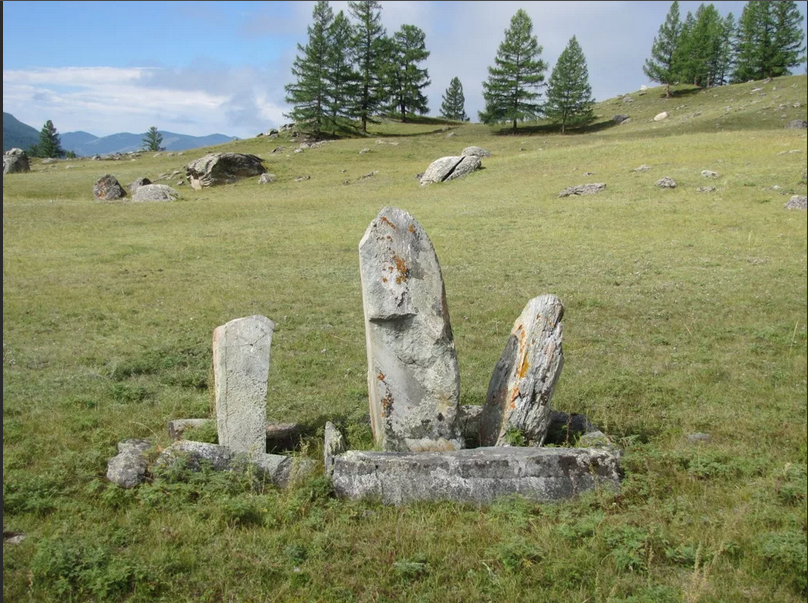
479, 475
279, 435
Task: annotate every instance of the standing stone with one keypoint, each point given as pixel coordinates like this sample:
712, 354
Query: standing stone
522, 385
240, 371
413, 378
15, 161
108, 188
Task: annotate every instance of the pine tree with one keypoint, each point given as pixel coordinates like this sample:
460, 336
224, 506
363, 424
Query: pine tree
370, 47
662, 67
49, 144
454, 103
152, 140
308, 93
727, 55
789, 38
569, 96
700, 47
518, 70
340, 74
407, 79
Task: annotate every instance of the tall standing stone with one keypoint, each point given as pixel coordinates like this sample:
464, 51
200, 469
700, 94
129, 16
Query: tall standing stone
240, 371
522, 385
413, 378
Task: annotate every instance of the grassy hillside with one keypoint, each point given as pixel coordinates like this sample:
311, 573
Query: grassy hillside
685, 313
17, 134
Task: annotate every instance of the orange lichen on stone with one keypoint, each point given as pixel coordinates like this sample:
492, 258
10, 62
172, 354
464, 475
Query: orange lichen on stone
401, 266
411, 228
387, 405
380, 376
388, 222
384, 280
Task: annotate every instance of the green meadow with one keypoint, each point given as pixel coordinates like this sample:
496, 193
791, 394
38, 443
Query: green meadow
685, 313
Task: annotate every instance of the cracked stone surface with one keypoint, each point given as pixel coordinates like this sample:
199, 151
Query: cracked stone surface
522, 384
450, 168
413, 377
479, 475
240, 370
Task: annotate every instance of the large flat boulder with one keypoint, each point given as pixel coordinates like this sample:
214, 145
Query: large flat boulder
450, 168
222, 168
524, 378
155, 192
413, 377
479, 475
15, 161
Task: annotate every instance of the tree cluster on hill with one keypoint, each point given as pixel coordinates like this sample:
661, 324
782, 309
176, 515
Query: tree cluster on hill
708, 50
354, 70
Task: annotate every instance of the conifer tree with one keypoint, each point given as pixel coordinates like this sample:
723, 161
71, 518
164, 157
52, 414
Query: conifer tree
152, 140
370, 47
49, 145
569, 95
340, 74
700, 47
789, 38
755, 48
308, 93
454, 102
407, 79
662, 67
727, 56
517, 71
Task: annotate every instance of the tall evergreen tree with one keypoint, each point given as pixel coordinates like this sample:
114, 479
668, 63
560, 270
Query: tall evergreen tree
340, 74
727, 56
308, 93
789, 38
662, 67
407, 79
152, 140
49, 145
454, 102
517, 71
700, 47
370, 48
569, 95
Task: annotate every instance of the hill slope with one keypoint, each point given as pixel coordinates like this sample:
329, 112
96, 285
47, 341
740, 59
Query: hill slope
123, 142
17, 134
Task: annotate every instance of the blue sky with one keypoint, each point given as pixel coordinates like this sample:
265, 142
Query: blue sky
205, 67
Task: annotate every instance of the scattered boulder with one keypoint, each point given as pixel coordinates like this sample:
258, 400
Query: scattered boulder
706, 189
363, 151
222, 168
666, 182
108, 188
155, 192
137, 184
475, 152
266, 178
796, 124
661, 116
523, 381
128, 468
15, 161
450, 135
710, 174
628, 99
272, 132
450, 168
368, 175
594, 439
642, 168
413, 376
697, 437
298, 150
302, 178
797, 202
620, 118
582, 189
49, 160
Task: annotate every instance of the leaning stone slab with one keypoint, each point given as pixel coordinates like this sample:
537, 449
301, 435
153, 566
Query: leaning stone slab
279, 469
128, 467
479, 475
240, 370
222, 168
450, 168
413, 377
522, 384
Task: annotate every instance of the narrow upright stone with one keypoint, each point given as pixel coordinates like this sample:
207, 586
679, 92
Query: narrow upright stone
240, 371
413, 378
522, 385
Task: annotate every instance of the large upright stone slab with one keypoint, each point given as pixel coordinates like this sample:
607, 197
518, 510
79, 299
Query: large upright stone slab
521, 386
413, 379
240, 371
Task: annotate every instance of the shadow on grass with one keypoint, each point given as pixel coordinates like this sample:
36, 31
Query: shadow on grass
530, 130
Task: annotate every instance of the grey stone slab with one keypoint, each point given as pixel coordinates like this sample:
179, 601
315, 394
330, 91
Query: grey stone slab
128, 468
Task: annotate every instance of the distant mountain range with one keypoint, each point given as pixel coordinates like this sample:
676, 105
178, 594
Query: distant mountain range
84, 144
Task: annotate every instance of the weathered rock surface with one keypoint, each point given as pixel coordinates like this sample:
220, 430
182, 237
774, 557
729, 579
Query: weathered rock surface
620, 118
222, 168
240, 369
661, 116
522, 384
279, 435
706, 189
475, 152
797, 202
334, 445
479, 475
710, 174
108, 188
155, 192
15, 161
450, 168
277, 468
582, 189
128, 468
266, 178
797, 124
641, 168
413, 377
666, 182
137, 184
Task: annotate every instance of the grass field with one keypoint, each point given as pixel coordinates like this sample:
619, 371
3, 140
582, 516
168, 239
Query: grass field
685, 313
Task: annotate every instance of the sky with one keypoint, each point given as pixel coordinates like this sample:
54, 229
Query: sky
201, 68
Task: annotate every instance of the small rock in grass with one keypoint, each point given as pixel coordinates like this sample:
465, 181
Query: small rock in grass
710, 174
642, 168
666, 182
582, 189
797, 202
